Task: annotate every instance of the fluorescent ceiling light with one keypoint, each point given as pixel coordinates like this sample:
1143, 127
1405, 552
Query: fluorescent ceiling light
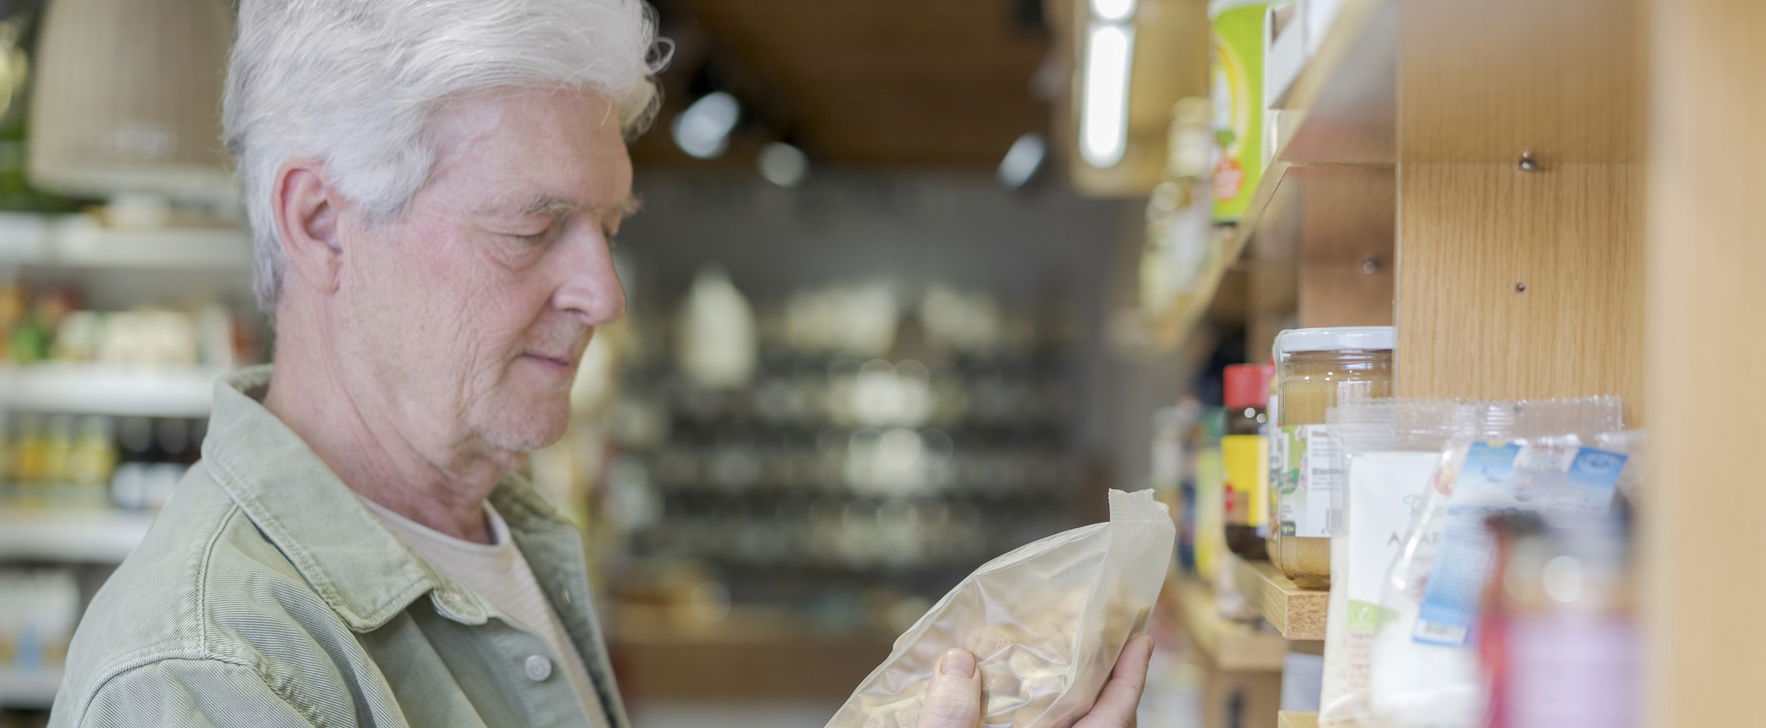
783, 164
1113, 11
1022, 160
703, 130
1103, 120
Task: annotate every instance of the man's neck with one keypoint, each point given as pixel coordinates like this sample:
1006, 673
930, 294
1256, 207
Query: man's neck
369, 452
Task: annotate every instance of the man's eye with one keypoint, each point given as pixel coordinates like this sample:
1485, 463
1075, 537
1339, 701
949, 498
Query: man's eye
537, 237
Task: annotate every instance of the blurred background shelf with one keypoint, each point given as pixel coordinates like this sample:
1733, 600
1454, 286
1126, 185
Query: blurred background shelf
1298, 614
1228, 645
92, 389
96, 535
80, 241
31, 690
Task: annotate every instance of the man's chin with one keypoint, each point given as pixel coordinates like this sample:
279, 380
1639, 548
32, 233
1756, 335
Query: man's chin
525, 429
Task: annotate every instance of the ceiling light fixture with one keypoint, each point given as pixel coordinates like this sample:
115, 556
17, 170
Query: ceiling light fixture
1113, 11
1103, 121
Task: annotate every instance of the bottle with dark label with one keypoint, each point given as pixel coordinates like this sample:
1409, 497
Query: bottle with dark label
1245, 456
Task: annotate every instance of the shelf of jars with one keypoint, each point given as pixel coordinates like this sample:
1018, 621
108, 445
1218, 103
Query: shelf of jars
1325, 201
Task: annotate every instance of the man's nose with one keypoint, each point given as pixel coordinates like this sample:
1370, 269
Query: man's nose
590, 287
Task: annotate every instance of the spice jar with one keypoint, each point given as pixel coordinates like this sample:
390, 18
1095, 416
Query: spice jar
1316, 369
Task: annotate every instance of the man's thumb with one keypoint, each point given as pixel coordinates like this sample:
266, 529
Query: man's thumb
953, 700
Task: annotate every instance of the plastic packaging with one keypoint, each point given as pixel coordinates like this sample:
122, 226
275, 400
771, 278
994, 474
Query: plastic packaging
1389, 451
1424, 669
1045, 622
1318, 369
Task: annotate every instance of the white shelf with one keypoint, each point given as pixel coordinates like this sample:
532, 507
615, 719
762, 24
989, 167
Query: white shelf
93, 389
79, 241
94, 536
28, 689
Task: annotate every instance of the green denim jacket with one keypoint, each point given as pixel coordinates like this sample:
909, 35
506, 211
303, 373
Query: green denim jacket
266, 595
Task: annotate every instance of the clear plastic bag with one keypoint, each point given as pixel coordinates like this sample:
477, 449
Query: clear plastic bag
1523, 456
1045, 622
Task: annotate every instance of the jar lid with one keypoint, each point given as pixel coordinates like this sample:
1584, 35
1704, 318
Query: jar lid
1245, 385
1343, 338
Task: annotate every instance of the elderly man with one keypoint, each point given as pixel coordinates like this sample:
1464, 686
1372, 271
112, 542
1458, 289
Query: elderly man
432, 187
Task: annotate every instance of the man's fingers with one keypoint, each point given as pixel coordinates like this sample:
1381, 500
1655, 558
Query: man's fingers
953, 700
1122, 694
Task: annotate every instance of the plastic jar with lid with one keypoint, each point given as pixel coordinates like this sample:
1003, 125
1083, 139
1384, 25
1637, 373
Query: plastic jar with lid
1315, 370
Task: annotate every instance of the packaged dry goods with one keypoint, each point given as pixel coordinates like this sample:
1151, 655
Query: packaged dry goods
1318, 369
1388, 450
1424, 670
1045, 622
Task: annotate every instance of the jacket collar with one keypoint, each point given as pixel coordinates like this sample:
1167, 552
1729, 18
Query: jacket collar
361, 570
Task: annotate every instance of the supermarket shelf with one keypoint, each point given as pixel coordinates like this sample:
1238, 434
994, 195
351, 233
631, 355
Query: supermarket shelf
49, 534
31, 690
93, 389
1227, 645
1328, 194
80, 241
1293, 719
1299, 614
1348, 91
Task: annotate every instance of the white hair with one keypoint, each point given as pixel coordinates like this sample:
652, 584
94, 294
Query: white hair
355, 84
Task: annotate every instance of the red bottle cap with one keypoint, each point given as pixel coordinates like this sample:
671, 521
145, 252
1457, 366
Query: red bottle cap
1247, 385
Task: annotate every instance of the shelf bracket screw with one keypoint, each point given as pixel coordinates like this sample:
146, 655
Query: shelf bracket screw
1528, 163
1370, 265
1520, 288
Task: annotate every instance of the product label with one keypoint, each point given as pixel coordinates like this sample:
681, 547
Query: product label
1385, 491
1246, 458
1309, 477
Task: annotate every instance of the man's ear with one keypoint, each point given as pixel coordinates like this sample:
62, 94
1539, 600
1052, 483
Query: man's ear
306, 210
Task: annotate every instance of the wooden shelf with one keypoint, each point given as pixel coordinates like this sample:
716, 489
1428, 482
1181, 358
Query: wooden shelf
1327, 199
1295, 719
1298, 614
1226, 644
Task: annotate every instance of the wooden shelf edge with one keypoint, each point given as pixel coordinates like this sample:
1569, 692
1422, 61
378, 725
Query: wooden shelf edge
1298, 614
1225, 644
1296, 719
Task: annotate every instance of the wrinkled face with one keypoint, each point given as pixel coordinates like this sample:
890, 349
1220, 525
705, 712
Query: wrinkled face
470, 311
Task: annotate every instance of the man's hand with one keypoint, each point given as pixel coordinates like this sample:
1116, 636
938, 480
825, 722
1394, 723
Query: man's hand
953, 700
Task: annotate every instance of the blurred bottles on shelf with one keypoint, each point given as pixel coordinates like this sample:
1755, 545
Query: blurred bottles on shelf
866, 450
59, 460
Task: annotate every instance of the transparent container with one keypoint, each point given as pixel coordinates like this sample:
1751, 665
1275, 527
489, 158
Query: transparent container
1315, 370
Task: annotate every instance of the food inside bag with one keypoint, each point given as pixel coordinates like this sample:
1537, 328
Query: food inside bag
1045, 623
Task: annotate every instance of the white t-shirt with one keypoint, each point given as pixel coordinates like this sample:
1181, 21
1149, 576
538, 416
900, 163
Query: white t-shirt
497, 572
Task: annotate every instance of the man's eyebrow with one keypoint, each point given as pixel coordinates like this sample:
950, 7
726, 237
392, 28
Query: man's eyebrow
629, 206
547, 204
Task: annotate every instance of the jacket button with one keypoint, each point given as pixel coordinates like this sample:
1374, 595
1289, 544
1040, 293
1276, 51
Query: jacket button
538, 668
